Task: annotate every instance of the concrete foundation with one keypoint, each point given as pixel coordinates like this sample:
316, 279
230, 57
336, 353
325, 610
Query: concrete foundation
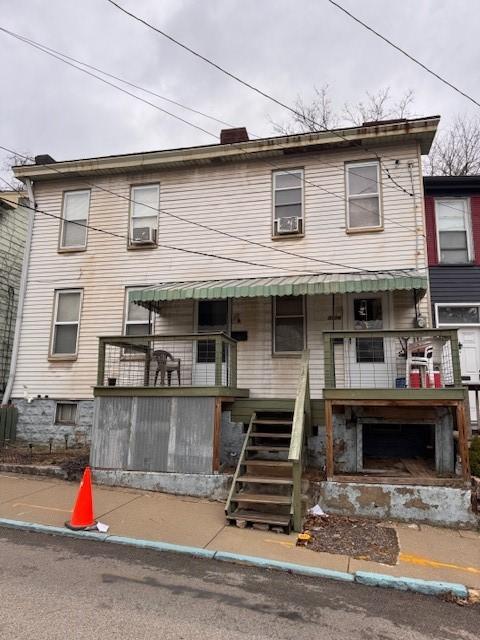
231, 440
446, 506
36, 421
211, 486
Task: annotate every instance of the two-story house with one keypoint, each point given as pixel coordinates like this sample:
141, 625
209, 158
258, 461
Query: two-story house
452, 208
258, 305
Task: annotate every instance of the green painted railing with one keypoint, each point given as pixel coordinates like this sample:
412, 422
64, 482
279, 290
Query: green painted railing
301, 428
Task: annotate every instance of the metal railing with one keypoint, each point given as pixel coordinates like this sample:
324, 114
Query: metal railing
412, 358
188, 360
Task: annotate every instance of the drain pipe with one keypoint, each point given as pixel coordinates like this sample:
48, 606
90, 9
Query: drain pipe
21, 293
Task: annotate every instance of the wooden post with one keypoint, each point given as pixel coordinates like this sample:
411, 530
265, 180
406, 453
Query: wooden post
455, 349
330, 463
148, 359
218, 361
329, 365
297, 495
101, 363
217, 428
462, 440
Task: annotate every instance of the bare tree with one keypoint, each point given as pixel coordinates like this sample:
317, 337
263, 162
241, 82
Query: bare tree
456, 151
7, 179
320, 113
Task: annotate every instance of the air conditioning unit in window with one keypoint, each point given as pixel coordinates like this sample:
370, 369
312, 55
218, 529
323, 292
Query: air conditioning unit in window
144, 235
288, 225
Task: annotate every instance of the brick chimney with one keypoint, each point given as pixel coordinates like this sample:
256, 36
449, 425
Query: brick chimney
230, 136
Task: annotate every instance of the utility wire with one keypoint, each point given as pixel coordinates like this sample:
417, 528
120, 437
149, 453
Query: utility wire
268, 96
402, 51
48, 51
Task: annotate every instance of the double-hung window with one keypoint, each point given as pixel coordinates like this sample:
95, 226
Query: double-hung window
363, 196
288, 324
454, 230
66, 323
288, 202
145, 201
73, 230
137, 318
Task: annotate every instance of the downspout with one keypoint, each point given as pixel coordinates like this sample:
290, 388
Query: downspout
21, 293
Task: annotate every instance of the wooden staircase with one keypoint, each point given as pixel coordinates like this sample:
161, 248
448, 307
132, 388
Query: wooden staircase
263, 483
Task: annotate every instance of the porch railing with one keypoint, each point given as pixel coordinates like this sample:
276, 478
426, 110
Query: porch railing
188, 360
412, 358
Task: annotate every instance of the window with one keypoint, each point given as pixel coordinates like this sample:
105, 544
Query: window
363, 196
137, 318
75, 213
289, 324
66, 413
454, 232
144, 214
456, 314
66, 322
368, 314
288, 202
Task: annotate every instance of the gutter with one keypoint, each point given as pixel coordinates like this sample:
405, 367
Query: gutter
21, 294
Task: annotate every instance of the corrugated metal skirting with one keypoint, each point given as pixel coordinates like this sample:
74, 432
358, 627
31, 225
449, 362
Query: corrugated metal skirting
153, 434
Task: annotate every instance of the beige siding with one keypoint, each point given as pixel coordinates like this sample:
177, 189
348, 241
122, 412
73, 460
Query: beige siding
231, 197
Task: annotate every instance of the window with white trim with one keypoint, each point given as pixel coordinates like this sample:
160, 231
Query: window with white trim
66, 322
454, 233
144, 214
363, 196
288, 202
288, 324
73, 233
455, 314
137, 318
66, 413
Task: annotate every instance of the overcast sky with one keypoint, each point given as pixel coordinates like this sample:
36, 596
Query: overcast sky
284, 47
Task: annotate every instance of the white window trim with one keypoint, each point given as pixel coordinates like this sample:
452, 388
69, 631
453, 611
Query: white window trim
468, 229
65, 356
276, 173
126, 321
156, 214
274, 324
378, 194
455, 304
73, 247
60, 422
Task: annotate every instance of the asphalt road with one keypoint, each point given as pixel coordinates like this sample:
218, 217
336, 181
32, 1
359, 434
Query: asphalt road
63, 588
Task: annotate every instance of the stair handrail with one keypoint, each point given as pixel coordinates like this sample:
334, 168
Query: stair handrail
241, 462
300, 428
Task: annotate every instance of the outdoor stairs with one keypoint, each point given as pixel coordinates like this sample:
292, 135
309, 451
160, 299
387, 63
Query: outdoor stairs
263, 483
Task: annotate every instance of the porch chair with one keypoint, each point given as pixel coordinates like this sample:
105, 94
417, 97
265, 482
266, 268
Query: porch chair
166, 364
420, 357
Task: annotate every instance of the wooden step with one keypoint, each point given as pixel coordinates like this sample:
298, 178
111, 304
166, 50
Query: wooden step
266, 447
261, 498
273, 421
269, 434
268, 463
256, 516
264, 479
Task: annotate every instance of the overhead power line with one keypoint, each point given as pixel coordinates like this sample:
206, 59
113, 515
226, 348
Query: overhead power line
319, 126
402, 51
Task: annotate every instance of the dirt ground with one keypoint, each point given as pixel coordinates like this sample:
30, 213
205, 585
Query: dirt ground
356, 537
72, 460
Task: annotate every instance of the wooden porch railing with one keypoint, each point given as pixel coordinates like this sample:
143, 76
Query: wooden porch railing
301, 429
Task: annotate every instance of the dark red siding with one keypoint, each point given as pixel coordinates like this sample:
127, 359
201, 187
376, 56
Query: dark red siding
431, 231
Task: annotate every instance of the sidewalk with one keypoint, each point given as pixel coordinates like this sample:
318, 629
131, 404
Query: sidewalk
426, 552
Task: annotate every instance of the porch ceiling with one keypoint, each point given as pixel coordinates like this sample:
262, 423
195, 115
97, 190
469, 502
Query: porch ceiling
368, 282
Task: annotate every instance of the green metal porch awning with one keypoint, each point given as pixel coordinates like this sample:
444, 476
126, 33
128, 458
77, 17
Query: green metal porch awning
363, 282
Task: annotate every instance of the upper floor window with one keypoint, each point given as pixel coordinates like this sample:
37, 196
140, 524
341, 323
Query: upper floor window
137, 318
288, 324
363, 196
144, 215
73, 233
454, 230
288, 202
66, 323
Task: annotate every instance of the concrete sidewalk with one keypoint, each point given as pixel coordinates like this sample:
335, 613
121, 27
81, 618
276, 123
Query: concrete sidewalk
426, 552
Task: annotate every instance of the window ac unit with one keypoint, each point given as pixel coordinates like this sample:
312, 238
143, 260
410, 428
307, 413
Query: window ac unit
144, 235
288, 225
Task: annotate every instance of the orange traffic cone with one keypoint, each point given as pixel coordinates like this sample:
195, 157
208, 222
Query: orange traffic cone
82, 514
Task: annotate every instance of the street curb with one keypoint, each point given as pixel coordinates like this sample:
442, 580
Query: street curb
402, 583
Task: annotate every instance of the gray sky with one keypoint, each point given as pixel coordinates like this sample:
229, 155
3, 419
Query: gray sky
282, 46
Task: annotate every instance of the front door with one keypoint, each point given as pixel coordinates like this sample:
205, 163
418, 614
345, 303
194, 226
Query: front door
368, 358
469, 339
211, 316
